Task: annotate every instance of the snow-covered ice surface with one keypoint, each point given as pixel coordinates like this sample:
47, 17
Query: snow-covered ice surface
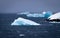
54, 16
22, 21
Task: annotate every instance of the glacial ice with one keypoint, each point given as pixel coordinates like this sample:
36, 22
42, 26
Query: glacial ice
22, 21
54, 16
44, 14
47, 14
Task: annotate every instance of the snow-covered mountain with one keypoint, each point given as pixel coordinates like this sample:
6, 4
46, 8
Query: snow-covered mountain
22, 21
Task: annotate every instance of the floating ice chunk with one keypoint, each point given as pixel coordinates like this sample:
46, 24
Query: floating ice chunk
54, 16
22, 21
21, 34
47, 14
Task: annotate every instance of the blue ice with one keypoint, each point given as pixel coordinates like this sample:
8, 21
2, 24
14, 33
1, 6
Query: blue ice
47, 14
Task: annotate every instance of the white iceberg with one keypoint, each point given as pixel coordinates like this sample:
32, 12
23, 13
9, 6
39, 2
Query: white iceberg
22, 21
54, 16
43, 14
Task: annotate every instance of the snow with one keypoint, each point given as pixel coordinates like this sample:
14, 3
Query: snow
22, 21
54, 16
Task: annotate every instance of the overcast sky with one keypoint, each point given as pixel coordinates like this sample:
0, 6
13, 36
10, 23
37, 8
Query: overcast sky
29, 5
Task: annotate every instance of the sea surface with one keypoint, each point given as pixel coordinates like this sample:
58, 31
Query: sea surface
45, 30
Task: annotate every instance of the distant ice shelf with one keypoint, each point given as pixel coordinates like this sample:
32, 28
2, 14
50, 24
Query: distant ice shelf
43, 14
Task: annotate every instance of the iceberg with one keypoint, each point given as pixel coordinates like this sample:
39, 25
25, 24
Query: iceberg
44, 14
47, 14
22, 21
54, 16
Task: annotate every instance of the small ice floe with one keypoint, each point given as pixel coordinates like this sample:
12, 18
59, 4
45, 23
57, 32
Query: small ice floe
22, 21
21, 35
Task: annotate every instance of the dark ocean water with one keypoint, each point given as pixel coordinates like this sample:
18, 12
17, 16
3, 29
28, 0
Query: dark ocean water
45, 30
